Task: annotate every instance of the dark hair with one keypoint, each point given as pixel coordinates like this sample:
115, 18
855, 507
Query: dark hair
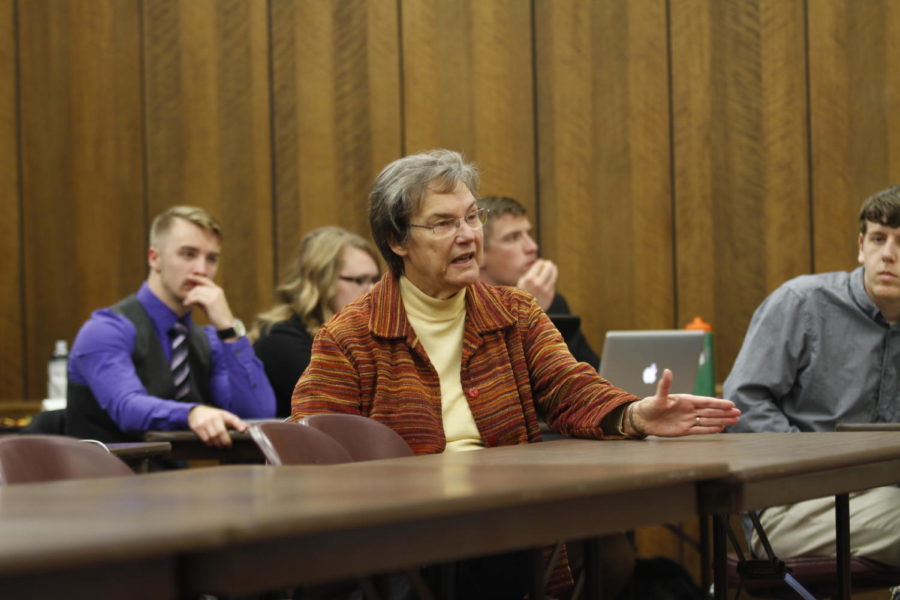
882, 207
398, 191
499, 206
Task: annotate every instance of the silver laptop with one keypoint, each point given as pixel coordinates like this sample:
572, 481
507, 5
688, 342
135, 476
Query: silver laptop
634, 360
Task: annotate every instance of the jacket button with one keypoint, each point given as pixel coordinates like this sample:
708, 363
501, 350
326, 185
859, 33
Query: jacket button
473, 393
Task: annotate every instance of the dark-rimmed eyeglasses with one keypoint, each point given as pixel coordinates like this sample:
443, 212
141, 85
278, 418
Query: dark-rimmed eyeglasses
362, 279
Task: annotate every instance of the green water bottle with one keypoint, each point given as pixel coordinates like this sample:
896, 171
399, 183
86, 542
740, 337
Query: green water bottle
706, 374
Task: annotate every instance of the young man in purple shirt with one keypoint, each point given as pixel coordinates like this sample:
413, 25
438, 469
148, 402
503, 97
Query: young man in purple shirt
121, 380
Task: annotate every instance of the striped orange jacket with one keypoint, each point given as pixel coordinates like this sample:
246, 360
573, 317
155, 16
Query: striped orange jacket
367, 360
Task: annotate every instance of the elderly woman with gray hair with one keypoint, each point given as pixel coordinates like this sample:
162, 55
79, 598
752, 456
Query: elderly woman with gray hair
451, 363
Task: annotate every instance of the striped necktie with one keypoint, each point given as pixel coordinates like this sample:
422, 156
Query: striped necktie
180, 367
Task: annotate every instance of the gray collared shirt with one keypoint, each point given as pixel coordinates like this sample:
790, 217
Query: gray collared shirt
817, 352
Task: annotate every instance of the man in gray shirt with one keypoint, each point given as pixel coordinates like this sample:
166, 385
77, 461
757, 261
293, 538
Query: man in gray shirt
824, 349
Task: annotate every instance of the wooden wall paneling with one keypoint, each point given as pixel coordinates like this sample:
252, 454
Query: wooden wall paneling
605, 196
11, 309
82, 192
855, 118
468, 86
337, 112
890, 93
208, 130
740, 154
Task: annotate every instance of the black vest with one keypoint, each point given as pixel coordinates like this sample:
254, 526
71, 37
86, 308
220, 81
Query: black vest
84, 416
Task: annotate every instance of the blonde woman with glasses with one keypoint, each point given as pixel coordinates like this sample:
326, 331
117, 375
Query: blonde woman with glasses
332, 268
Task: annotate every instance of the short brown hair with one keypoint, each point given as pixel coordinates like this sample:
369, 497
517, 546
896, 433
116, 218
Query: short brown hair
881, 207
192, 214
499, 206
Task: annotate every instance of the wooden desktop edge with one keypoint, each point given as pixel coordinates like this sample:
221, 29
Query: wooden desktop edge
185, 445
867, 427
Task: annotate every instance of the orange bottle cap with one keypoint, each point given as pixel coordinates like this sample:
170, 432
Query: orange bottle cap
699, 323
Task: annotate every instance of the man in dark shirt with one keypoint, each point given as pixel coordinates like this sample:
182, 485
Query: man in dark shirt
511, 258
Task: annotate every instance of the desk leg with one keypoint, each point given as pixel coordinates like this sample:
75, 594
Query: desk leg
537, 574
720, 556
442, 578
842, 540
705, 559
593, 569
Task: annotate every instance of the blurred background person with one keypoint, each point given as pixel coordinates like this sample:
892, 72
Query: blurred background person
511, 258
332, 267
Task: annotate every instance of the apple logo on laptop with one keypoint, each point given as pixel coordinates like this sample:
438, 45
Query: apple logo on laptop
649, 374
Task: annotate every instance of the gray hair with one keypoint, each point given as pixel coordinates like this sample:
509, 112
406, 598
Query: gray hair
399, 189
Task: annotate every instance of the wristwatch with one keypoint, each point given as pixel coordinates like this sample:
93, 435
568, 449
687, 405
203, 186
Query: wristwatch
237, 329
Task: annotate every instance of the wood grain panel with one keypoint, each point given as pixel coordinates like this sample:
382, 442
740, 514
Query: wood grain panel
208, 130
11, 310
82, 188
468, 86
855, 117
740, 155
337, 107
605, 198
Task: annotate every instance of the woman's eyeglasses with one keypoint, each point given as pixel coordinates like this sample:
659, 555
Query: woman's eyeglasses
362, 279
447, 227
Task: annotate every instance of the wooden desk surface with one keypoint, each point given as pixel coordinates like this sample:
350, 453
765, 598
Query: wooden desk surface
240, 529
764, 469
138, 451
19, 407
243, 528
749, 456
867, 427
16, 413
187, 446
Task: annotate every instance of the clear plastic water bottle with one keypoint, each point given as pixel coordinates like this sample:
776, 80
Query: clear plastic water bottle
56, 370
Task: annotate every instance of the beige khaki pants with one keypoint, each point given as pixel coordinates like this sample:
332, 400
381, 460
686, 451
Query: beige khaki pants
807, 528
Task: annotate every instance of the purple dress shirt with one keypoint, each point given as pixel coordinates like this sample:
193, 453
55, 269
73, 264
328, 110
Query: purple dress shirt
101, 359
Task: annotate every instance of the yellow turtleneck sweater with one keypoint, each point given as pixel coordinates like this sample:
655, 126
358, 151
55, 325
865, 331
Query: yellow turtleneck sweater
439, 326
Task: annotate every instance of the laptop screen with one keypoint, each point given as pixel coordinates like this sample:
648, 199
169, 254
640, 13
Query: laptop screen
634, 360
